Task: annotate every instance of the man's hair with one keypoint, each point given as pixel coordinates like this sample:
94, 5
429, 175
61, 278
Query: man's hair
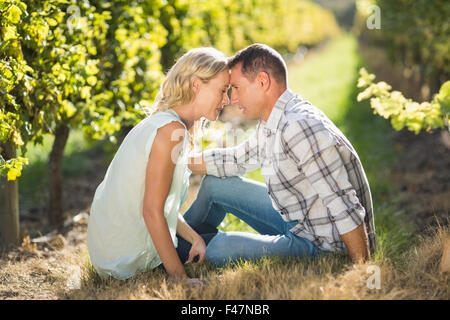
259, 57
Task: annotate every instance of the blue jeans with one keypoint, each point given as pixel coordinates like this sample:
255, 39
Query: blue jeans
249, 201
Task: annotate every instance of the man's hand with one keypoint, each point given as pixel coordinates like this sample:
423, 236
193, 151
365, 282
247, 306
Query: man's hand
197, 164
357, 244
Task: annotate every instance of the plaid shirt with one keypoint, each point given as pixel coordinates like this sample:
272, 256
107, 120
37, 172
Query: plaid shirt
312, 172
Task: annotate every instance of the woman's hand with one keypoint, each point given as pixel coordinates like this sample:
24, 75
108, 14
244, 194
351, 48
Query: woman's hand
195, 282
198, 249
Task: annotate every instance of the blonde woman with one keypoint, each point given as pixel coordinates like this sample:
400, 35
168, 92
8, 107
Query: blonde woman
134, 219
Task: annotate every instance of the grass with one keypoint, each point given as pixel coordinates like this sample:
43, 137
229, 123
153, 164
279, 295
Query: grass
68, 275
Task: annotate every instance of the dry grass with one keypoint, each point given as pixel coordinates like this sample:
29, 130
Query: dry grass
41, 271
64, 272
328, 277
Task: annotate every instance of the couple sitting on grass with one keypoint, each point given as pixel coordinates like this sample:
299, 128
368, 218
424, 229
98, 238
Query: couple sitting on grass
315, 199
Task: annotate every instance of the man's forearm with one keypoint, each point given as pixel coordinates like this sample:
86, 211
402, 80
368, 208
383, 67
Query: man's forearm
197, 164
357, 244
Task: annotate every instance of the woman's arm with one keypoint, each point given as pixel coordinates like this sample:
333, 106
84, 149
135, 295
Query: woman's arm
158, 179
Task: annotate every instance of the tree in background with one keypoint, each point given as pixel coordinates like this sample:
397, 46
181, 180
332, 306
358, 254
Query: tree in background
416, 36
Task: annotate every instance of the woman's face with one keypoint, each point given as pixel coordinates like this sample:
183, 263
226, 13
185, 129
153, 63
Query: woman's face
212, 95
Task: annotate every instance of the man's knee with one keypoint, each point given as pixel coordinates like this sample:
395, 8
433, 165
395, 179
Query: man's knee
207, 185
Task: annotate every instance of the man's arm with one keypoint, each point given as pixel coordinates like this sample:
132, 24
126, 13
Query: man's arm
226, 162
357, 244
314, 150
197, 164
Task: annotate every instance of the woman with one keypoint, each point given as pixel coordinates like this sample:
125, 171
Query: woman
135, 216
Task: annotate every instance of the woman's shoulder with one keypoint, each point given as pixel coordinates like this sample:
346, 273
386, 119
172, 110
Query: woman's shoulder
171, 130
169, 126
160, 120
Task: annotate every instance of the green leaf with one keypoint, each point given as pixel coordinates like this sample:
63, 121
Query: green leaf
13, 14
91, 68
22, 6
51, 22
9, 33
85, 92
68, 108
91, 80
443, 98
13, 173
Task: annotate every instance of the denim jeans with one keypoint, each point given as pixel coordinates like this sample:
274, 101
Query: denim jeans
249, 201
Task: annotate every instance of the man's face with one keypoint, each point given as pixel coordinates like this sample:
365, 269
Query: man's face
246, 94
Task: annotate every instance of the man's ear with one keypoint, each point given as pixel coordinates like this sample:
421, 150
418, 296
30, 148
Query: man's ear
263, 80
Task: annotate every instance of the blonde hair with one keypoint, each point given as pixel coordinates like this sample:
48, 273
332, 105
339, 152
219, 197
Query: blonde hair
204, 63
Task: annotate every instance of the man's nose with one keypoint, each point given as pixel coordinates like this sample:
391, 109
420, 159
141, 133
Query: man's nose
234, 97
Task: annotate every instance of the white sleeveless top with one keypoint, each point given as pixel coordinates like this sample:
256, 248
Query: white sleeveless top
118, 240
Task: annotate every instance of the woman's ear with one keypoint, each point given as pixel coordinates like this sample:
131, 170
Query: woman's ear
195, 83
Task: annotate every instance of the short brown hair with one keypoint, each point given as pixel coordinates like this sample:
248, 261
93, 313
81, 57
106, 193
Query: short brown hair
259, 57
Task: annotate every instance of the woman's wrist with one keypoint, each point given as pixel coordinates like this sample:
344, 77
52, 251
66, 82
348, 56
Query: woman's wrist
179, 274
186, 232
193, 236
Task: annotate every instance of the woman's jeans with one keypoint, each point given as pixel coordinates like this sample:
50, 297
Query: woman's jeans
249, 201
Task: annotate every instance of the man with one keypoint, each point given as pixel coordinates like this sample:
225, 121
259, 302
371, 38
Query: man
316, 197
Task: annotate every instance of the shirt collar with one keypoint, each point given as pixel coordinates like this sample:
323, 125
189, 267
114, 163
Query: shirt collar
277, 111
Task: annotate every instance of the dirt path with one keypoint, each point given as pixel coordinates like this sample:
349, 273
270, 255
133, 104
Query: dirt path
423, 176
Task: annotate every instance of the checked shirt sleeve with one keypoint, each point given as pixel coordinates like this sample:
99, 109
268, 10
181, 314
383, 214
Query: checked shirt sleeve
235, 161
316, 153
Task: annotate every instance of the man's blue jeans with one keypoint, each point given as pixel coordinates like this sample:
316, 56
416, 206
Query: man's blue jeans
249, 201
